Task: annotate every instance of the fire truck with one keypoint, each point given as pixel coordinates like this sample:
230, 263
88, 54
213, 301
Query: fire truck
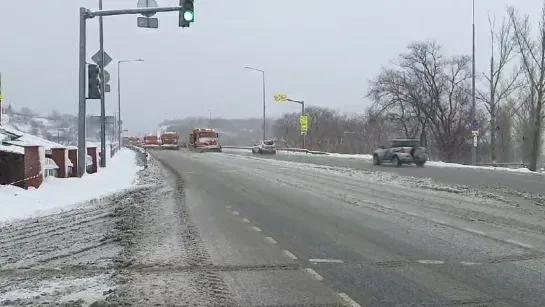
204, 139
170, 140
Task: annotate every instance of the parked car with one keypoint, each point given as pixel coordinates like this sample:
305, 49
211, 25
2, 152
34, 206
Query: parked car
264, 147
401, 151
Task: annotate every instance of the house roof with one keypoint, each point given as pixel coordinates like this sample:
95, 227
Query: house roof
25, 139
12, 149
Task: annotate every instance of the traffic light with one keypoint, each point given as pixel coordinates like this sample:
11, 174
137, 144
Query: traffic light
187, 13
93, 73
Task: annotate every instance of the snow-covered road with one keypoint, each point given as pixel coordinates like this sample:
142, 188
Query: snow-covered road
65, 252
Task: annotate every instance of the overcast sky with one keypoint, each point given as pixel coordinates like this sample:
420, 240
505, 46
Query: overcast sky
323, 52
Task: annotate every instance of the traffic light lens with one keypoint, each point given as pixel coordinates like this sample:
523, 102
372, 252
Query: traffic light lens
188, 16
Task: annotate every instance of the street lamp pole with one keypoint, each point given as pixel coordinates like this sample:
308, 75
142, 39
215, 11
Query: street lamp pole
473, 106
119, 129
209, 118
264, 97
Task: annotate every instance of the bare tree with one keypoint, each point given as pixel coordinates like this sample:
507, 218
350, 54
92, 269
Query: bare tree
500, 85
533, 61
436, 90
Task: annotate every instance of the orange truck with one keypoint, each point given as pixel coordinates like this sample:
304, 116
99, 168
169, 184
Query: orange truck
204, 139
170, 140
151, 140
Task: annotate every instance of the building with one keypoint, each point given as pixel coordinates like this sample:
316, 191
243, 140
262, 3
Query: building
25, 159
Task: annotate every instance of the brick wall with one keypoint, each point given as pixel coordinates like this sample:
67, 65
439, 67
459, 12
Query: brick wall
92, 151
59, 156
12, 168
73, 156
33, 167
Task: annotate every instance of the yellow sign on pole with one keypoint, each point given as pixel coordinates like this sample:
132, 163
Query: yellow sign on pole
280, 97
0, 86
303, 121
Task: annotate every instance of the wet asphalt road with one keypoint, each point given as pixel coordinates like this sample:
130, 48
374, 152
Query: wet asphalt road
296, 235
479, 178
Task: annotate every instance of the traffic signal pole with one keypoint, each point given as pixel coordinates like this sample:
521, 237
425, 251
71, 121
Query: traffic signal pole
85, 14
302, 103
102, 91
82, 149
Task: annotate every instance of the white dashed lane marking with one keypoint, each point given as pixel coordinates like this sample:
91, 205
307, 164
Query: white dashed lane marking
246, 220
314, 274
236, 213
271, 240
256, 228
439, 222
469, 263
289, 255
350, 302
430, 262
326, 260
475, 231
228, 207
521, 244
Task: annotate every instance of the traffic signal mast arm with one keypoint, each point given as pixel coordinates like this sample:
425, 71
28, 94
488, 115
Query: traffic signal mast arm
301, 102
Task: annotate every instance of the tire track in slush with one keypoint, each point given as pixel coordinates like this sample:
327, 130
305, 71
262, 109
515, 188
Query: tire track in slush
209, 282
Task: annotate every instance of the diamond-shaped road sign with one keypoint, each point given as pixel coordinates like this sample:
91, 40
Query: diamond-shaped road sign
96, 58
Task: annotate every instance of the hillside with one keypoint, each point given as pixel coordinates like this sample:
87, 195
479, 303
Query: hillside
59, 128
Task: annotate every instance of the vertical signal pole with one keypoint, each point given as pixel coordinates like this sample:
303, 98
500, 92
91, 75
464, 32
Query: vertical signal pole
82, 152
102, 91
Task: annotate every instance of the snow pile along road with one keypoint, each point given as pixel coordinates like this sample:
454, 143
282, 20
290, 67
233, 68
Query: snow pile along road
68, 258
56, 193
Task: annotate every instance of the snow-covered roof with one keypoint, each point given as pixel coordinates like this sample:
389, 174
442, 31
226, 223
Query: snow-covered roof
12, 149
89, 160
30, 139
50, 164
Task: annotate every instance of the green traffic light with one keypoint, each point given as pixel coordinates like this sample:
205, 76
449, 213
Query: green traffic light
189, 16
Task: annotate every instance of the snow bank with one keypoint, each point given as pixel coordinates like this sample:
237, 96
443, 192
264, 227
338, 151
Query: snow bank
56, 193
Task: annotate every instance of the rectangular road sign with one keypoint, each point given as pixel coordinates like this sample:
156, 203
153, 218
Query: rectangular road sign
145, 22
95, 120
303, 119
280, 97
96, 58
110, 120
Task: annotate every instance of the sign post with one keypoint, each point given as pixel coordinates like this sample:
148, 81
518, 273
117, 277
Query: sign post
475, 132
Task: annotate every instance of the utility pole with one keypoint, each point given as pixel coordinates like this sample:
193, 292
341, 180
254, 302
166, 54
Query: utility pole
85, 14
474, 106
119, 123
102, 91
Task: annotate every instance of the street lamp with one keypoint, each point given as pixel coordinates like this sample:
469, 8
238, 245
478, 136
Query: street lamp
209, 118
263, 74
473, 106
119, 129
